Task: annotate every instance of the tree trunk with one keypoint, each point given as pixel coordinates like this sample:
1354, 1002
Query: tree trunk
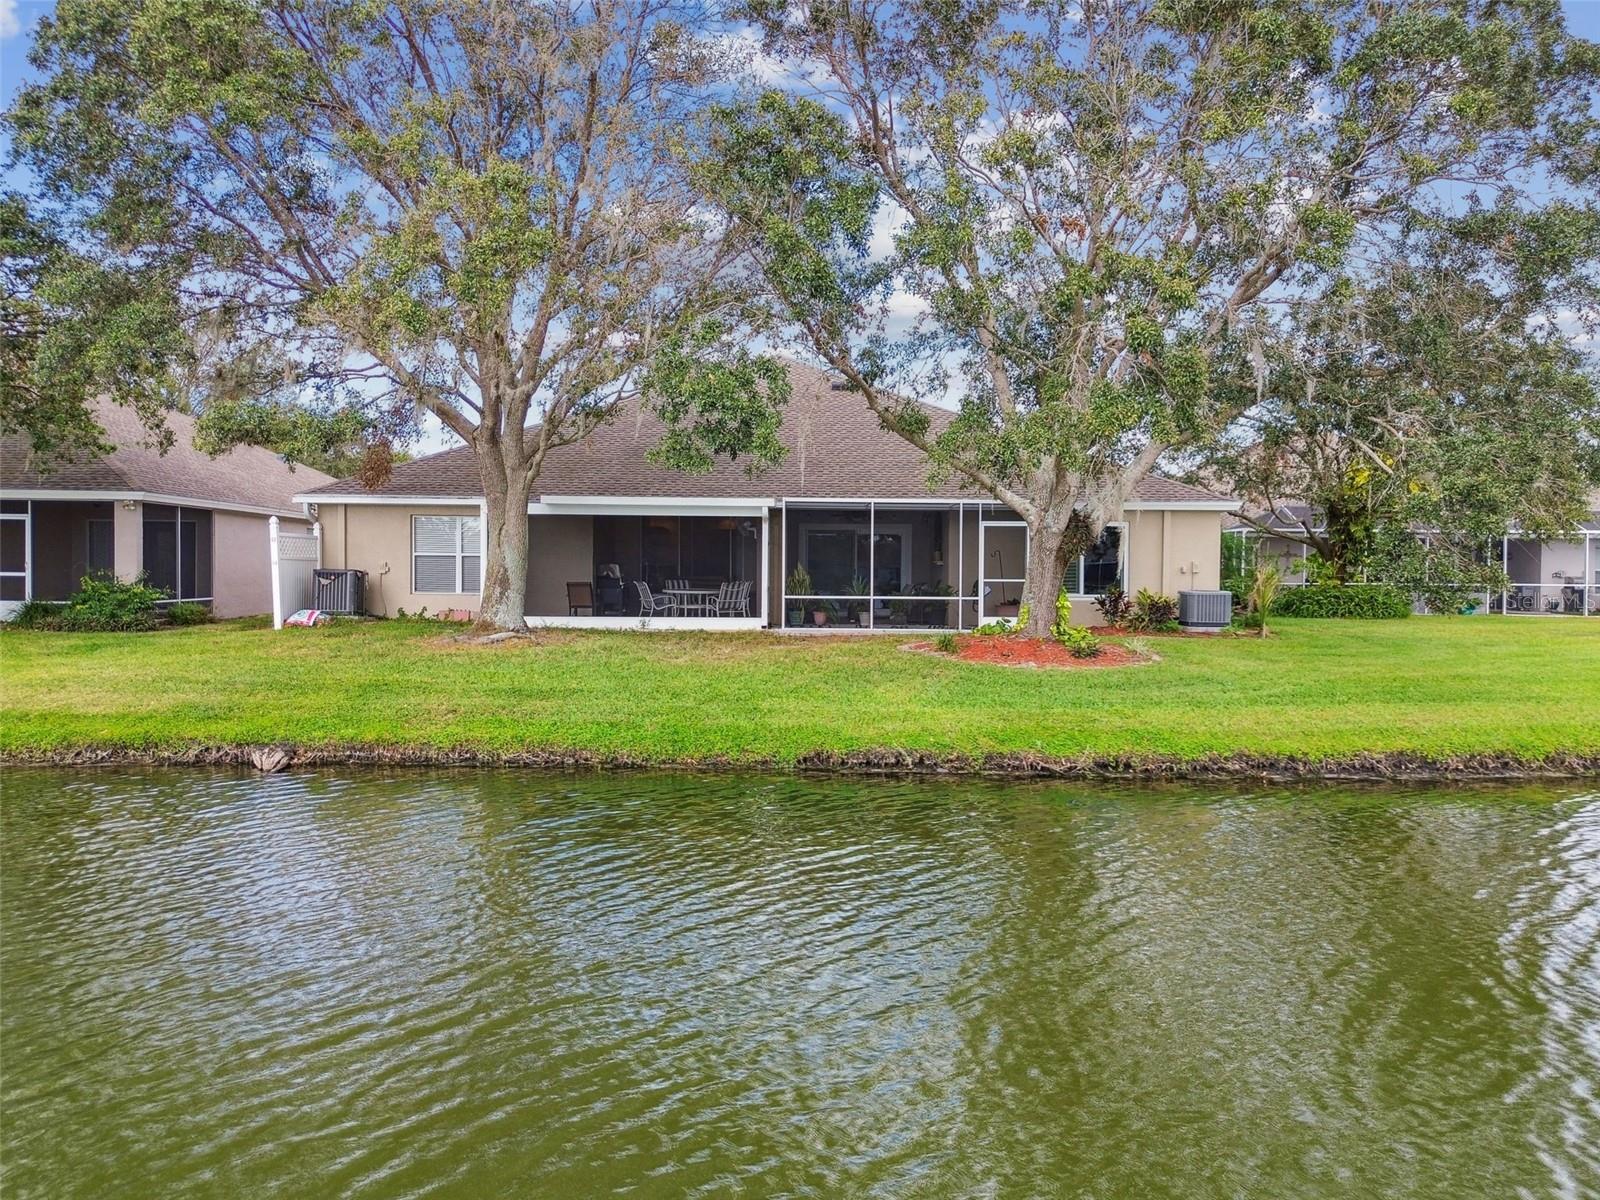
1050, 546
505, 567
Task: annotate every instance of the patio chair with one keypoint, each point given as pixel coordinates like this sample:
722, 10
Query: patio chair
650, 604
733, 600
580, 595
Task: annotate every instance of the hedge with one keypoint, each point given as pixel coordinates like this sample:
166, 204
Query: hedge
1362, 601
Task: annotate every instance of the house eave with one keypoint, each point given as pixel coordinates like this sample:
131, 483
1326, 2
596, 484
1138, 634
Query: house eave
119, 494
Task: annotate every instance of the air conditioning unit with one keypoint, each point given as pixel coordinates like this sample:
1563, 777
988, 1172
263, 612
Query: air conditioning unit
339, 591
1205, 612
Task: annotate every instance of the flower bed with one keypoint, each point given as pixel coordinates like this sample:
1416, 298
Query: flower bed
1011, 651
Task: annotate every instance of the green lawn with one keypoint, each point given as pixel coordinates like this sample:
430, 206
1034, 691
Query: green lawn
1439, 687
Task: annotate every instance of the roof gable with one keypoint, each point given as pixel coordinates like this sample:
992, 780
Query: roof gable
246, 476
837, 449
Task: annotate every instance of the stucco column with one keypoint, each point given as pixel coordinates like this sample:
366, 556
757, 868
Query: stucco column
127, 539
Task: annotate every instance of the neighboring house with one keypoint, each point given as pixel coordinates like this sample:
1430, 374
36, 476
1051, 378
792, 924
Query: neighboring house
192, 525
1560, 577
851, 504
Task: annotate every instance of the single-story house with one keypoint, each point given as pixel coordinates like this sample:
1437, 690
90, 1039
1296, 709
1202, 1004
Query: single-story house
192, 525
1557, 577
845, 533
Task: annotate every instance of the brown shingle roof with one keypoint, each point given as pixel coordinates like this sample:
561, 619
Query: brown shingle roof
837, 450
246, 475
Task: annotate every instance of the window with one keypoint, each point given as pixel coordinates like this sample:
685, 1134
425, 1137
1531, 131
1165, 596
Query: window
445, 554
1098, 569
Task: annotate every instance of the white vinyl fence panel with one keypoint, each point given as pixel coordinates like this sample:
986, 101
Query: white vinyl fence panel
294, 557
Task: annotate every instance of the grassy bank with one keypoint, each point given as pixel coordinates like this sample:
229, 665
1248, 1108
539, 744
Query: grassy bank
1439, 689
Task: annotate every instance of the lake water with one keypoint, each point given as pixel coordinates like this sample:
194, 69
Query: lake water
492, 984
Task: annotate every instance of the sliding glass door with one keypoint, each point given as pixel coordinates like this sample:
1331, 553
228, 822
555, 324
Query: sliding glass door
178, 551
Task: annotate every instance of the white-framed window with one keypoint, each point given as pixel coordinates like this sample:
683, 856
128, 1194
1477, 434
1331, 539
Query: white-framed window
1105, 564
446, 555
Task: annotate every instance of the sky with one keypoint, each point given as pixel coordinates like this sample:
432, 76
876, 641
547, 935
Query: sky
18, 18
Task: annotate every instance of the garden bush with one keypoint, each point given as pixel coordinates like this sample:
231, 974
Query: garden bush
187, 613
1153, 612
1114, 606
1080, 642
100, 605
1358, 601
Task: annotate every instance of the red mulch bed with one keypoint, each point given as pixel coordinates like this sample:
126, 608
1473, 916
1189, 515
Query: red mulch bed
1007, 650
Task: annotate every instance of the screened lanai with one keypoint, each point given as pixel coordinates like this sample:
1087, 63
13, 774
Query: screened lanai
864, 565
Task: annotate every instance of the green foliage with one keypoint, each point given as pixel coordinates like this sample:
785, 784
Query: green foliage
1439, 395
335, 441
1098, 213
1265, 585
1153, 612
1238, 556
1080, 642
945, 643
469, 210
718, 401
800, 584
100, 605
187, 613
75, 324
1361, 601
1061, 628
35, 614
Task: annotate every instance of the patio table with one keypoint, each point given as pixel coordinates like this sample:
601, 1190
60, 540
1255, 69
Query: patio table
687, 599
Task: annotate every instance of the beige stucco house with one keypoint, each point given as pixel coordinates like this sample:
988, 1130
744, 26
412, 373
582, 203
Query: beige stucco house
615, 540
192, 525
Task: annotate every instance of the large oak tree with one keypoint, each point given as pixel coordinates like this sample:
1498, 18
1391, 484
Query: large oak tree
469, 208
1102, 207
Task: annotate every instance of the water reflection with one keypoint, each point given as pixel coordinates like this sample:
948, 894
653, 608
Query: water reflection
478, 984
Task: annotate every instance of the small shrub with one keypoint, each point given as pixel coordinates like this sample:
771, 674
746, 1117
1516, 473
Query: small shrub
100, 605
36, 614
1153, 612
1114, 606
1264, 588
996, 627
1062, 625
1239, 586
1354, 601
1080, 642
945, 643
186, 612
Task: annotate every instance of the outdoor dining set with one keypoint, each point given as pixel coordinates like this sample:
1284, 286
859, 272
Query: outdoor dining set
678, 598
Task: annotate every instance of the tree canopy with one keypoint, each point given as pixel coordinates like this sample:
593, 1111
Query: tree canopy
1101, 211
469, 208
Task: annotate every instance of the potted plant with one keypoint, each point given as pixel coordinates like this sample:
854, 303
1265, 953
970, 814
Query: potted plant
799, 586
860, 613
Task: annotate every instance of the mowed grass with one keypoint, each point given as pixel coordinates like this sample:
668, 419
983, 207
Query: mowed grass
1320, 689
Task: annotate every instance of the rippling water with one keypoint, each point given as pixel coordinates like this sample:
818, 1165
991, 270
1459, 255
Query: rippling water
488, 984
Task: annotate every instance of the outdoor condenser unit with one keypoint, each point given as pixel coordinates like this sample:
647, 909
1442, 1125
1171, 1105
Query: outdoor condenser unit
339, 591
1205, 610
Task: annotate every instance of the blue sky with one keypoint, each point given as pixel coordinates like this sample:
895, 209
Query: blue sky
18, 18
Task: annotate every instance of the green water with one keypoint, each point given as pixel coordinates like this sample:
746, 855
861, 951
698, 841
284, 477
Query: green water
487, 984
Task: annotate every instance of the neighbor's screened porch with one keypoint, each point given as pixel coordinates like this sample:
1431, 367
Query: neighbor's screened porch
853, 565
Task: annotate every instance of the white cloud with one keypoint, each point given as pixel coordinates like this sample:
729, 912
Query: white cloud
10, 25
